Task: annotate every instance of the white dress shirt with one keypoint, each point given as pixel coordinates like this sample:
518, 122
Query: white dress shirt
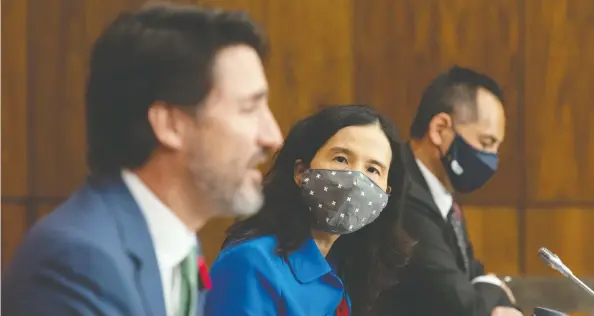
444, 201
173, 240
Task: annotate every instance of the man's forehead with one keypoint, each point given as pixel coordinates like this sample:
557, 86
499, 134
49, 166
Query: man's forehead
488, 105
239, 67
491, 115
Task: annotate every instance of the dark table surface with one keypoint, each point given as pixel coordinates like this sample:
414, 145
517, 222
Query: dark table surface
557, 293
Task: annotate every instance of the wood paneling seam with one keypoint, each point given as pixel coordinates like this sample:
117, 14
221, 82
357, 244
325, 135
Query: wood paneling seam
521, 135
31, 187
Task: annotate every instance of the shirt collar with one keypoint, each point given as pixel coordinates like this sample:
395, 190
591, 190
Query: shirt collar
308, 263
172, 239
441, 196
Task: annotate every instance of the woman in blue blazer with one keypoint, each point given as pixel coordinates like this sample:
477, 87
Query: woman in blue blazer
333, 176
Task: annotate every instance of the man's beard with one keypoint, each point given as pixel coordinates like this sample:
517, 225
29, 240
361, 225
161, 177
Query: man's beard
225, 186
246, 203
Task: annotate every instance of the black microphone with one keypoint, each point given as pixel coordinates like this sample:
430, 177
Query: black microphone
554, 262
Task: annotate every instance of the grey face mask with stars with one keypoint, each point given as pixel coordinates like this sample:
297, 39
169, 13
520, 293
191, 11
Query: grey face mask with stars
342, 201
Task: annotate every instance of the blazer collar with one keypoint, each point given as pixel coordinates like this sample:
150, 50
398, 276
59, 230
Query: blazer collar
307, 262
419, 190
136, 239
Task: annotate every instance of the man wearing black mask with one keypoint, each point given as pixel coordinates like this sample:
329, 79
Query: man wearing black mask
455, 139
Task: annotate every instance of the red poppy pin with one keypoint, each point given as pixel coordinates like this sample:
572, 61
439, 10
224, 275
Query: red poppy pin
204, 281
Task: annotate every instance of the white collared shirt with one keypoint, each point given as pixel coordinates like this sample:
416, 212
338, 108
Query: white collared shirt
441, 196
172, 239
444, 201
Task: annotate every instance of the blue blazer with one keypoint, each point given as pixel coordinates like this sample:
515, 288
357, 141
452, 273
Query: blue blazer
93, 255
251, 279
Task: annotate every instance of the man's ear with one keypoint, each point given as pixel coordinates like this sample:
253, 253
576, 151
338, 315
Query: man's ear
166, 124
298, 171
440, 131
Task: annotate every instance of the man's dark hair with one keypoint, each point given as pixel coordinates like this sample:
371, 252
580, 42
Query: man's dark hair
367, 259
454, 93
160, 53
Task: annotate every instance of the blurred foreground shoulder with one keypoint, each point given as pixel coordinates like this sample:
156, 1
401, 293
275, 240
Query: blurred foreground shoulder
58, 273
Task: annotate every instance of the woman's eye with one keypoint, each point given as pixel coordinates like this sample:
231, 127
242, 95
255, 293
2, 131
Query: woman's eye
340, 159
373, 170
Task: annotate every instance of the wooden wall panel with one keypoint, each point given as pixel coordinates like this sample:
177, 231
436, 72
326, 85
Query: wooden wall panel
212, 236
14, 225
559, 71
494, 235
401, 45
58, 69
311, 60
566, 232
14, 99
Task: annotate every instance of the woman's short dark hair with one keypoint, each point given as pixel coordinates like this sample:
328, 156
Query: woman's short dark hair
365, 259
162, 52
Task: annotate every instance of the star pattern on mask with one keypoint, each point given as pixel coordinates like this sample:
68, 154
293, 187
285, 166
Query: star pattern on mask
344, 214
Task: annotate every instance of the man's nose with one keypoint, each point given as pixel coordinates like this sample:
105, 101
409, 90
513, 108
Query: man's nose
271, 136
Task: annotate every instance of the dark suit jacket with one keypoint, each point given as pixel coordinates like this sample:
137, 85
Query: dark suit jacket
93, 255
435, 283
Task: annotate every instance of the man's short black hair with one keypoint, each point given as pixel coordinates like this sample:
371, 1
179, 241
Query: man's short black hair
454, 93
162, 52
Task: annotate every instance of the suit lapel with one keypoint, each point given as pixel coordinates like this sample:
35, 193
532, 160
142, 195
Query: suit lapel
137, 240
419, 192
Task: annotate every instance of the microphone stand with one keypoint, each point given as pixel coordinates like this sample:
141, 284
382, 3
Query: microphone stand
554, 262
581, 284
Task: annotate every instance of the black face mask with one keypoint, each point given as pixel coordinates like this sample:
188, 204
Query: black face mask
468, 168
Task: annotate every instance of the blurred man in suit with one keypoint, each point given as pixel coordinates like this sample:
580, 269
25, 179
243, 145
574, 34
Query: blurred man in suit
178, 122
455, 138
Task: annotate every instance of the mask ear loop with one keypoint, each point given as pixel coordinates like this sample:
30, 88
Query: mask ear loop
305, 170
454, 164
453, 128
